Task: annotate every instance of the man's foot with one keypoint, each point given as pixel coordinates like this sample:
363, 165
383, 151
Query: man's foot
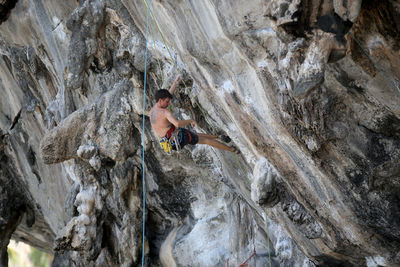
225, 138
235, 150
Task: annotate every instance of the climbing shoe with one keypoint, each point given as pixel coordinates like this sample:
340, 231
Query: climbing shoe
225, 138
235, 150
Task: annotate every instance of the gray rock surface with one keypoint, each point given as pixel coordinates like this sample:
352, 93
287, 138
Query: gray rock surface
307, 90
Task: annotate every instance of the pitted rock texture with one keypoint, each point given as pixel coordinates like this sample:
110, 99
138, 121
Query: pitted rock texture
307, 90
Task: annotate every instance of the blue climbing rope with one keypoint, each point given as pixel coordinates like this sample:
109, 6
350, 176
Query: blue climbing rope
144, 118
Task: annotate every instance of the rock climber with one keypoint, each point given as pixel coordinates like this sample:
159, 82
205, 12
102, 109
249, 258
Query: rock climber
170, 130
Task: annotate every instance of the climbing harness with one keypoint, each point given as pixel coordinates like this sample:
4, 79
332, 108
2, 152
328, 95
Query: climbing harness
166, 145
172, 140
172, 143
165, 142
144, 118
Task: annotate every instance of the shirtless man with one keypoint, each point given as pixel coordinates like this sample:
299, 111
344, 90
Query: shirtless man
164, 123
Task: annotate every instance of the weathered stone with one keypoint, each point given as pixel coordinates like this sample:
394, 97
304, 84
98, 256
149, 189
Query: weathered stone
5, 8
84, 23
291, 82
347, 10
264, 188
17, 209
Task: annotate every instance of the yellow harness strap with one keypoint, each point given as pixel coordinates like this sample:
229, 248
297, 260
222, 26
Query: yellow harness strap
166, 145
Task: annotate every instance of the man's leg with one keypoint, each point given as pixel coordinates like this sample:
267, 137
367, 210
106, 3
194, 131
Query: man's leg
214, 143
207, 136
222, 137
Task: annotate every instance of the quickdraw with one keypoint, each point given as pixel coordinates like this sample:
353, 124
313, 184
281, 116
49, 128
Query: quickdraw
244, 264
176, 138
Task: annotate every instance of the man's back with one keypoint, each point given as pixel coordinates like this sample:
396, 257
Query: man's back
159, 121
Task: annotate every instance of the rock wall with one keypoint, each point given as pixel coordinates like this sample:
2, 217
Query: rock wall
308, 90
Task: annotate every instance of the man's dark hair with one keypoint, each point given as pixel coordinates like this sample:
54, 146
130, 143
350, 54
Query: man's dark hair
162, 94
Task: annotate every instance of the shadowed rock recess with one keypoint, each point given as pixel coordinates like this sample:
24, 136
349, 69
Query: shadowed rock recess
307, 90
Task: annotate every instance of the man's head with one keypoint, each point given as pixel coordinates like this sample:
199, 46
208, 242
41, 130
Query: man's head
163, 97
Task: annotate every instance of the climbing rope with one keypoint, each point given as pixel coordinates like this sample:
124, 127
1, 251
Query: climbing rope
375, 65
144, 118
266, 226
159, 29
158, 60
174, 62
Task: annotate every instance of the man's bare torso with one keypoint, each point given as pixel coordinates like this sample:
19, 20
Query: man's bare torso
159, 121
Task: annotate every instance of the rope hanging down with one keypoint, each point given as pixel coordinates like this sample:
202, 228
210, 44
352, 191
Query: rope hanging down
266, 227
144, 118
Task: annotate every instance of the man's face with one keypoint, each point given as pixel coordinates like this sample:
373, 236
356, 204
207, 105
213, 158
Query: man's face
164, 102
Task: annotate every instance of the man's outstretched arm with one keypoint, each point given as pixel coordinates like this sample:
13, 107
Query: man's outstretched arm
175, 84
178, 123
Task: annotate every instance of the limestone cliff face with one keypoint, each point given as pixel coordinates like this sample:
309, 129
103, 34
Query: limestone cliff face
308, 90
